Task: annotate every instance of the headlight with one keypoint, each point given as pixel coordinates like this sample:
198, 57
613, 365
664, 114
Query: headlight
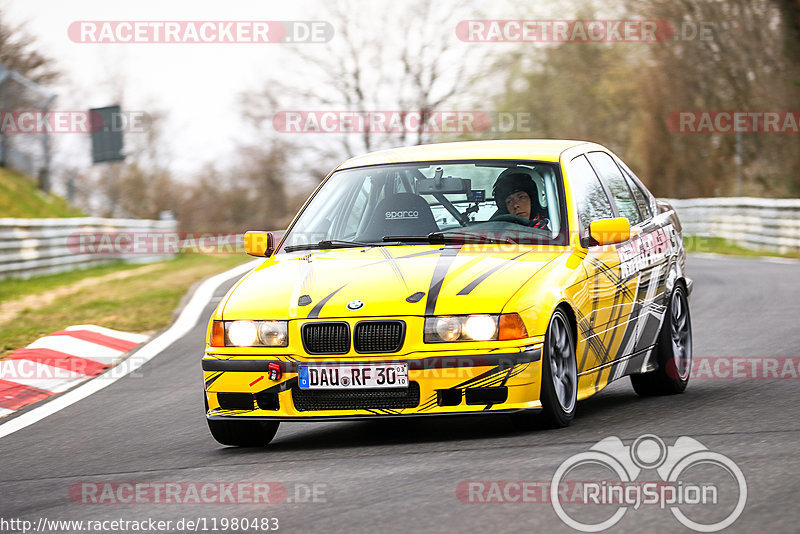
481, 327
273, 333
447, 328
249, 334
242, 333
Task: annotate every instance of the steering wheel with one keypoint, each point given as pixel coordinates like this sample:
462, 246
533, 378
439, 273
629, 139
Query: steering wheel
507, 217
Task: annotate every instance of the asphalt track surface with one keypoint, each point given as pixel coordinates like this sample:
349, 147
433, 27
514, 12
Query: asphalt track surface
402, 475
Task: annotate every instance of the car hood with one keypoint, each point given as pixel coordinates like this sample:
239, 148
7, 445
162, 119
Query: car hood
390, 281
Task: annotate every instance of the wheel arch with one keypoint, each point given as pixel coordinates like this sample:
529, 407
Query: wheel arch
573, 321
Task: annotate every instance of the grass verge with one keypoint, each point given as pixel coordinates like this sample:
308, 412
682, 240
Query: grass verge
132, 298
19, 197
718, 245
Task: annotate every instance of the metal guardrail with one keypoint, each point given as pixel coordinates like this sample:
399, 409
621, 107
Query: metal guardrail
30, 247
758, 223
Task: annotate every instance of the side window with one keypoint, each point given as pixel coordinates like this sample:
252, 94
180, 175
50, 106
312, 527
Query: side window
609, 172
644, 199
590, 197
641, 200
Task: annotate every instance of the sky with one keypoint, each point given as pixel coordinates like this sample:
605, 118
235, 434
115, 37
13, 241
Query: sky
197, 85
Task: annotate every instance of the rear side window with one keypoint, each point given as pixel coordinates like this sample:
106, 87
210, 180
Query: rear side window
641, 200
643, 197
609, 172
590, 197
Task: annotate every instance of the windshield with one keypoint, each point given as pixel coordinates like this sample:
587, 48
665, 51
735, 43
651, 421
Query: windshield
434, 202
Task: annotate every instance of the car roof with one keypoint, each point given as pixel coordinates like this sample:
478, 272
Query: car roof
509, 149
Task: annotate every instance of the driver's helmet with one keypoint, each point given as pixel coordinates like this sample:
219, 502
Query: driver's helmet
512, 180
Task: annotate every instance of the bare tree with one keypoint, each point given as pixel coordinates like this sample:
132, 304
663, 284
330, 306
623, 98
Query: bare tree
18, 52
402, 60
742, 66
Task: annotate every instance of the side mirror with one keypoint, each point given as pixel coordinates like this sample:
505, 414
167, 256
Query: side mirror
259, 243
610, 231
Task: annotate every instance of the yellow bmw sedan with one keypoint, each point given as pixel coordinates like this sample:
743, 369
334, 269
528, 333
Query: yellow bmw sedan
507, 277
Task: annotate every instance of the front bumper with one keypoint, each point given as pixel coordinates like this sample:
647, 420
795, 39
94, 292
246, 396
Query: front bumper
445, 383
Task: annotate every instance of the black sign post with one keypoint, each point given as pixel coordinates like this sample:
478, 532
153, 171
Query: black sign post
106, 134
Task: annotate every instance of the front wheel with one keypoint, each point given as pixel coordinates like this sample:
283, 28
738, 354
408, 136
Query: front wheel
243, 433
559, 388
673, 351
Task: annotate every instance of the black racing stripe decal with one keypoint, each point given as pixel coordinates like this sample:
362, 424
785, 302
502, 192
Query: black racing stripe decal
491, 378
314, 314
592, 341
472, 285
598, 346
212, 379
220, 411
432, 400
395, 266
283, 386
448, 255
642, 316
630, 329
394, 258
502, 384
612, 276
617, 309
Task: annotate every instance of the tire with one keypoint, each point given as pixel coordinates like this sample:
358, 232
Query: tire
673, 351
243, 433
559, 379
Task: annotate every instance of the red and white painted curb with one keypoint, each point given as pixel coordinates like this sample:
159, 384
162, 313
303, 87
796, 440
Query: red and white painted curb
55, 363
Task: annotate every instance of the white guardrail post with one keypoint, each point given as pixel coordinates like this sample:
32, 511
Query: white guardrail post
30, 247
757, 223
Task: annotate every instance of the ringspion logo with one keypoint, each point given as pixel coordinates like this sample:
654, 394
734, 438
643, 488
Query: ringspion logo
704, 490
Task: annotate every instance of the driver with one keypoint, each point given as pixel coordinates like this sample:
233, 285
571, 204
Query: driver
516, 193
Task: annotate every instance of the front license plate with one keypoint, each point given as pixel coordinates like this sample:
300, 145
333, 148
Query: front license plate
360, 376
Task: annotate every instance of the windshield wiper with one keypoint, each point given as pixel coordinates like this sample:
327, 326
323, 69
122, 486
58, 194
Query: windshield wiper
441, 238
329, 243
